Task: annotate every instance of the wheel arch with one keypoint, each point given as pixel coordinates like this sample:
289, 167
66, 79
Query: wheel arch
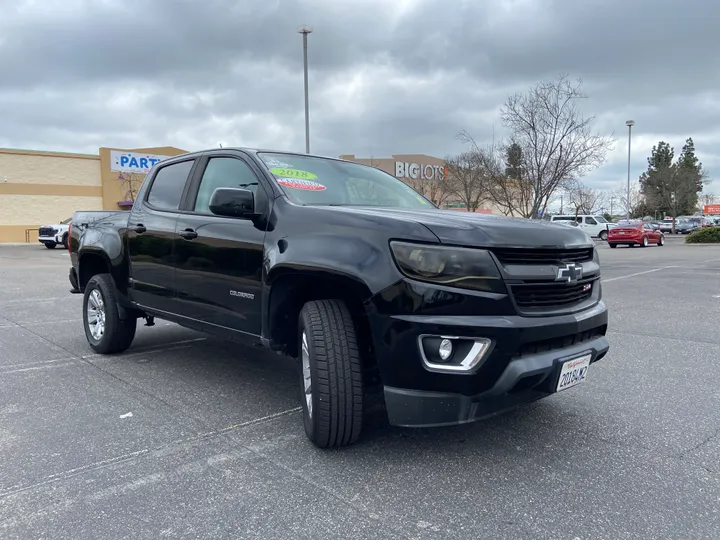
289, 289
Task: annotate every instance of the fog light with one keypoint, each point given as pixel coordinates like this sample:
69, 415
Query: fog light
445, 349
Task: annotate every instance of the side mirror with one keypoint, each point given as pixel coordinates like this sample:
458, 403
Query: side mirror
233, 202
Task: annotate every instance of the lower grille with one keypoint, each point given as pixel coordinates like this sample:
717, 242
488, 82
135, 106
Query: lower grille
537, 296
557, 343
47, 231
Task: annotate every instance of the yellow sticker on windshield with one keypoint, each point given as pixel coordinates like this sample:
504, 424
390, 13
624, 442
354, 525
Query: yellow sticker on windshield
293, 173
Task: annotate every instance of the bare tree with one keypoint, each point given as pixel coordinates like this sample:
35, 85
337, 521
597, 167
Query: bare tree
556, 143
636, 204
584, 199
467, 179
131, 182
436, 189
709, 198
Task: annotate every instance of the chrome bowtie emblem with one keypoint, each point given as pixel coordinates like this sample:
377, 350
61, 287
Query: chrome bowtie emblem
569, 272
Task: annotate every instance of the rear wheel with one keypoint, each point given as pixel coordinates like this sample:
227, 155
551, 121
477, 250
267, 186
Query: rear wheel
65, 241
331, 374
105, 331
603, 235
50, 245
613, 245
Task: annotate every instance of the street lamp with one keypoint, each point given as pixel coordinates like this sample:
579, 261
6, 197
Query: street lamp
305, 30
629, 124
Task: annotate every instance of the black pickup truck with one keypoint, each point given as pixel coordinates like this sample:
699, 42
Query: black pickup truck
450, 316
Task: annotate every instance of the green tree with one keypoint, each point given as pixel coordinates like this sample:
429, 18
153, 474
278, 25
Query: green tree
670, 186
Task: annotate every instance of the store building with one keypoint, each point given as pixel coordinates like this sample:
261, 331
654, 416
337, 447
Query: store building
39, 188
419, 171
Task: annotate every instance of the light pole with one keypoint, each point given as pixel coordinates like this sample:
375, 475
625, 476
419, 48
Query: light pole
305, 30
629, 124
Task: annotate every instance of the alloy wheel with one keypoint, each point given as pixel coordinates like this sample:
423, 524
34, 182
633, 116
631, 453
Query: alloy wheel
96, 315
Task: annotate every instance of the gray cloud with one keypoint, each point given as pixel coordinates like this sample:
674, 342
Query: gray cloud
386, 77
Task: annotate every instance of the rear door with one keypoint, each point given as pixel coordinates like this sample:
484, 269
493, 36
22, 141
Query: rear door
151, 232
591, 226
219, 259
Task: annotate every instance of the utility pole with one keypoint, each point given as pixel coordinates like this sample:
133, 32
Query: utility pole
561, 205
305, 30
612, 200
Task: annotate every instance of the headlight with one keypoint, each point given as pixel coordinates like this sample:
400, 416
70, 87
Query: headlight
451, 266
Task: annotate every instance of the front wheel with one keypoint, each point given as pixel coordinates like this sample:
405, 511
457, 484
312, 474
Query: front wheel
65, 240
50, 245
644, 242
105, 331
331, 374
661, 241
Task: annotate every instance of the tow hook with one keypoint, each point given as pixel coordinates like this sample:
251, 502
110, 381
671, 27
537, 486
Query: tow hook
149, 320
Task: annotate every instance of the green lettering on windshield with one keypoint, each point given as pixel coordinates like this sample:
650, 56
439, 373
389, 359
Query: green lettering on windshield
293, 173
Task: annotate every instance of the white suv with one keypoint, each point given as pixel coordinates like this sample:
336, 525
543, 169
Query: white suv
596, 226
52, 235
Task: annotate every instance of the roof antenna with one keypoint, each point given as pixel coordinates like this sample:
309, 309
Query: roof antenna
220, 144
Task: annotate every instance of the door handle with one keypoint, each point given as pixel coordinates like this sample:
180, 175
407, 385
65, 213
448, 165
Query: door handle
188, 234
139, 228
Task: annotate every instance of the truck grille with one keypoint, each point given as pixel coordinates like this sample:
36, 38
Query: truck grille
47, 231
542, 256
542, 296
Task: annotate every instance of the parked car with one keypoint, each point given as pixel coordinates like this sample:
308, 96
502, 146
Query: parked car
687, 225
666, 225
452, 316
596, 226
635, 233
52, 235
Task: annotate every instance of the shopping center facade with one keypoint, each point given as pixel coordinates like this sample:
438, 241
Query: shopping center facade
39, 187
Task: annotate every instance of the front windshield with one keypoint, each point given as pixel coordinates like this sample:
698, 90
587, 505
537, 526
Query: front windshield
312, 180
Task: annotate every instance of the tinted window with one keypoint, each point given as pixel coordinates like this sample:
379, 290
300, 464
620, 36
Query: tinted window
320, 181
590, 221
223, 172
563, 218
167, 187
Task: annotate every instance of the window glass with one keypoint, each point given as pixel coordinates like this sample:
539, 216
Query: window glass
223, 172
600, 219
167, 188
320, 181
564, 218
590, 221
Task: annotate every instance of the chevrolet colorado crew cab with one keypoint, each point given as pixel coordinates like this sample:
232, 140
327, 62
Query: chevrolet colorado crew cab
450, 316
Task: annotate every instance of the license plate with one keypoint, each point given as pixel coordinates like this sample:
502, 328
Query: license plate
573, 372
622, 232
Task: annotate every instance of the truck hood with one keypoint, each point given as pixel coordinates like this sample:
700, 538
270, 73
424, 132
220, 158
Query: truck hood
484, 230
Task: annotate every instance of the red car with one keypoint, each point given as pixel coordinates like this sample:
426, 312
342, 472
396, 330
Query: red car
634, 233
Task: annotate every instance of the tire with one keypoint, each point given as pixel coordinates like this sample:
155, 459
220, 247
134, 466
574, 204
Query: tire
603, 235
115, 335
613, 245
661, 241
644, 242
50, 245
330, 362
65, 241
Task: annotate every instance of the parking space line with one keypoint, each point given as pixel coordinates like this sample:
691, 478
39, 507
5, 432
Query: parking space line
635, 274
65, 475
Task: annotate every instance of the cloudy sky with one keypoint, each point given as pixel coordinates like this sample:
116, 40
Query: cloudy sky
386, 76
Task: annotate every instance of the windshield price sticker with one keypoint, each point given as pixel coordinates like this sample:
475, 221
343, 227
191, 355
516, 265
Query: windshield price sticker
298, 183
293, 173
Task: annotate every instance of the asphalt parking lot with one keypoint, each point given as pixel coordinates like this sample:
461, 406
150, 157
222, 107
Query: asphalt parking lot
186, 436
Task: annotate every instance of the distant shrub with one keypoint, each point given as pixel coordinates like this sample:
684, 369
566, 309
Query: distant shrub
706, 235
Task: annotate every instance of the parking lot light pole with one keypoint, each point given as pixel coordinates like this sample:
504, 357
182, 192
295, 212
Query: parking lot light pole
629, 124
305, 30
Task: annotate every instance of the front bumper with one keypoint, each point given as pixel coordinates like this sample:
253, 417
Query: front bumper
524, 380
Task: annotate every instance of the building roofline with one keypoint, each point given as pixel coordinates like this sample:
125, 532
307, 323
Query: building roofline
47, 153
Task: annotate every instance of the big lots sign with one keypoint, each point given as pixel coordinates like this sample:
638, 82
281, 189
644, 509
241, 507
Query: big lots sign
415, 171
133, 161
711, 209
